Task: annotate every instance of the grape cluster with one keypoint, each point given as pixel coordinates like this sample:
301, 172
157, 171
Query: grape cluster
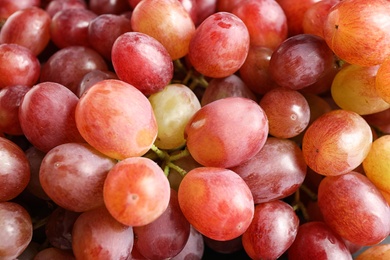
194, 129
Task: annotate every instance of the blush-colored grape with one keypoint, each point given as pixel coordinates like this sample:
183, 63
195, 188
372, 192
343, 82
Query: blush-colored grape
14, 170
354, 208
142, 61
116, 119
136, 192
217, 202
227, 132
220, 45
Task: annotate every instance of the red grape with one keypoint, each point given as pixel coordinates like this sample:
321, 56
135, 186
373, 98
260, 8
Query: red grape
10, 99
290, 117
265, 20
315, 240
166, 236
18, 66
91, 78
55, 6
16, 230
73, 174
194, 248
272, 231
35, 157
54, 253
69, 27
69, 65
217, 202
300, 61
116, 119
8, 7
376, 252
337, 142
215, 141
14, 170
32, 26
142, 61
275, 172
45, 121
97, 235
354, 208
136, 191
220, 45
104, 30
108, 6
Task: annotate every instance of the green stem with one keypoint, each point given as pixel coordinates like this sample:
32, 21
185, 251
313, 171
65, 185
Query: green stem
160, 153
180, 170
182, 154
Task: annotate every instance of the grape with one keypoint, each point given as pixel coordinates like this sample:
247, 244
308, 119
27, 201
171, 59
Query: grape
108, 6
73, 174
69, 65
16, 230
54, 253
173, 108
91, 78
216, 202
45, 121
8, 7
58, 228
215, 141
254, 72
315, 240
136, 191
265, 20
116, 119
379, 120
376, 165
275, 172
14, 170
168, 22
142, 61
272, 231
191, 6
33, 27
381, 80
35, 157
55, 6
354, 208
18, 66
376, 252
166, 236
288, 119
227, 5
230, 86
220, 45
104, 30
194, 248
10, 99
337, 142
300, 61
353, 88
314, 18
97, 235
295, 12
69, 27
205, 9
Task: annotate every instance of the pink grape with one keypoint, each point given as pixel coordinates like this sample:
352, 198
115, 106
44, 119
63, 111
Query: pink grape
217, 202
142, 61
220, 45
136, 192
14, 170
215, 141
73, 174
97, 235
45, 121
116, 119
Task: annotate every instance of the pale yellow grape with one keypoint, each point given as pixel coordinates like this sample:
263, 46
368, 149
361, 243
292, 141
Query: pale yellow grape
353, 88
173, 108
376, 165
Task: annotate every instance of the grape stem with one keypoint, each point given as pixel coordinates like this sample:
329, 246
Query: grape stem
168, 160
298, 205
309, 192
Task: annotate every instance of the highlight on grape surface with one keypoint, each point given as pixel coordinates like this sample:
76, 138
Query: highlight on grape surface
194, 129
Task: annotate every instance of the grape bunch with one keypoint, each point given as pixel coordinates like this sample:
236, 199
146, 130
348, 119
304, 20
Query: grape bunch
194, 129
